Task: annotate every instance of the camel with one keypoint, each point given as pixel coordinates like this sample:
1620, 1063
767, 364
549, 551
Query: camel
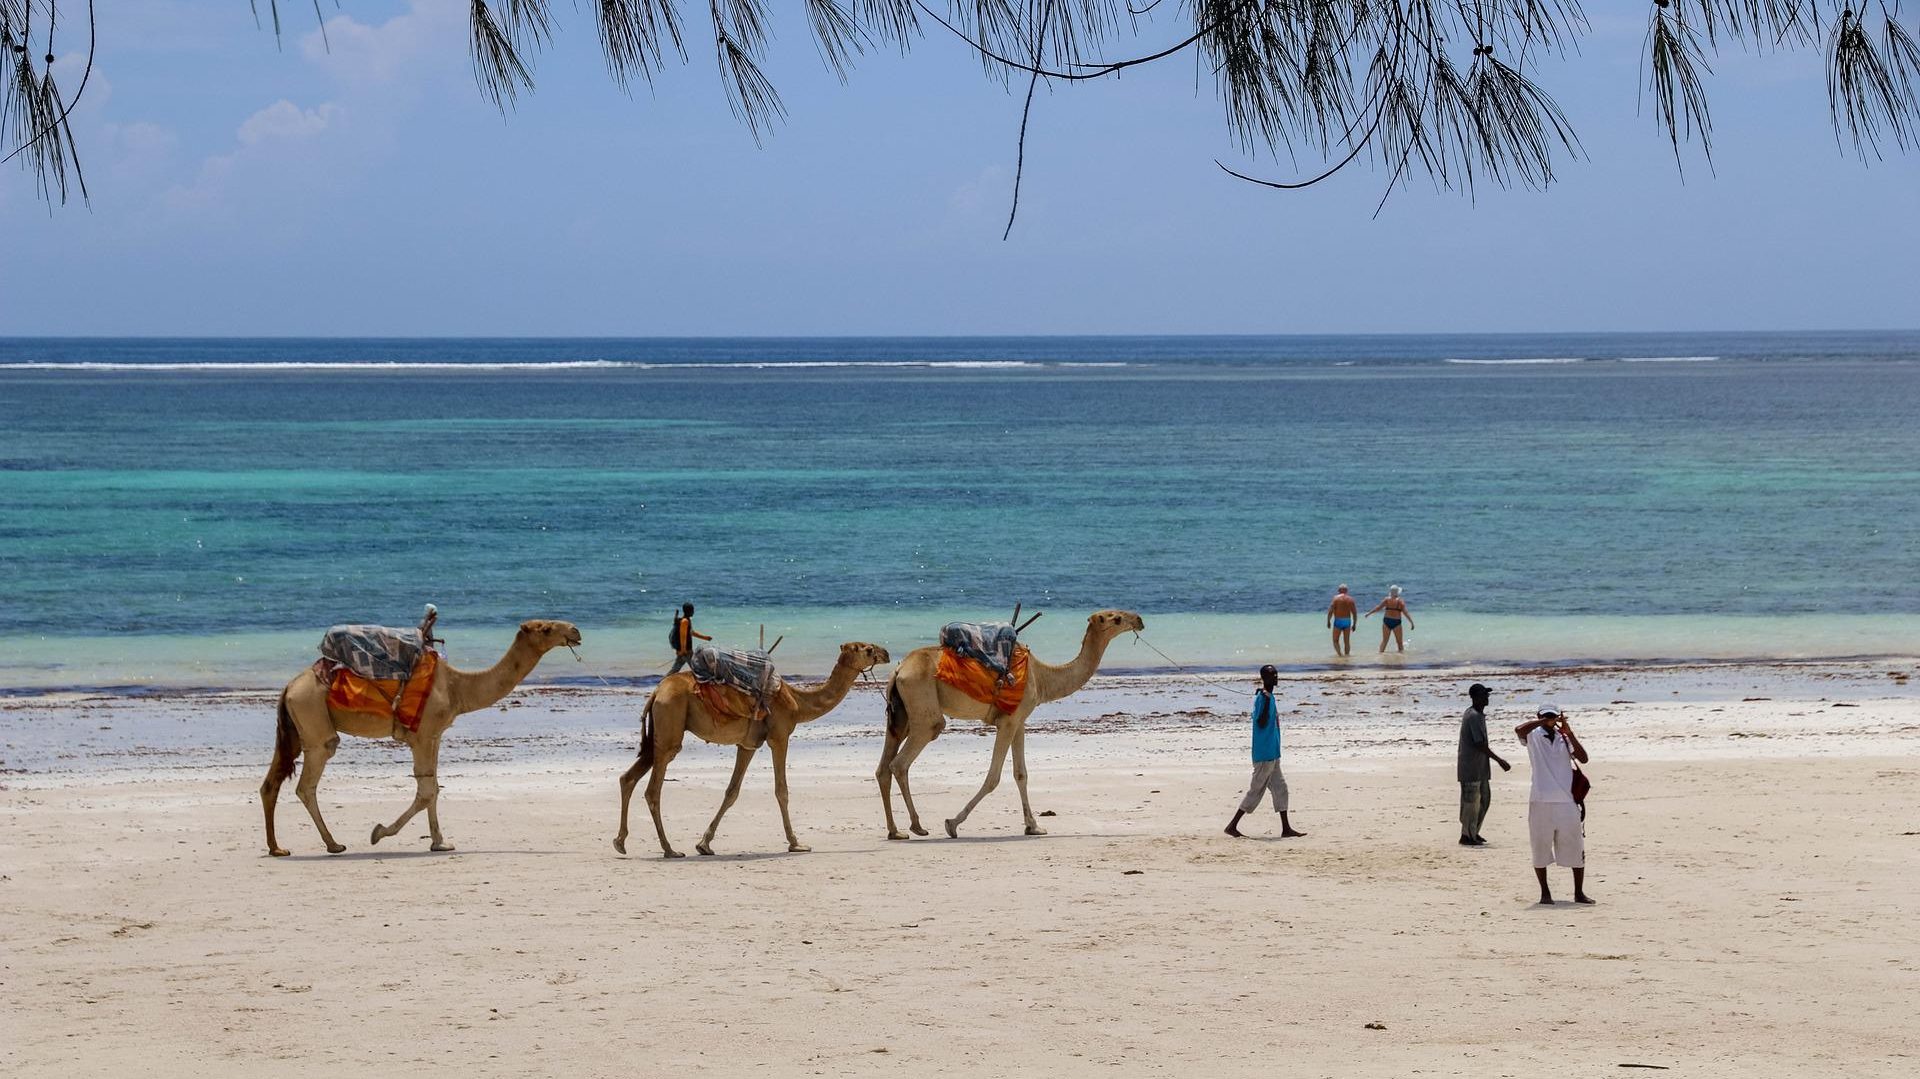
311, 729
674, 709
918, 705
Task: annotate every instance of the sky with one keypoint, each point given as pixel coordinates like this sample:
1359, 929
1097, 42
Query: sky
366, 188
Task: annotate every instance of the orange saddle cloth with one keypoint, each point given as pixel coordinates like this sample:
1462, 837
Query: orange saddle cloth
979, 681
402, 700
725, 702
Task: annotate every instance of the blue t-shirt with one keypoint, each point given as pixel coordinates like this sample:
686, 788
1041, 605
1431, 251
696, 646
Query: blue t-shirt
1266, 739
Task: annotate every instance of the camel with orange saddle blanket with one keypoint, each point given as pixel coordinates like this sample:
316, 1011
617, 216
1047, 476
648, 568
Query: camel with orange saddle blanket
725, 716
374, 682
980, 675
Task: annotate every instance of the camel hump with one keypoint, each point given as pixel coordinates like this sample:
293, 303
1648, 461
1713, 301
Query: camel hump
751, 673
991, 643
380, 653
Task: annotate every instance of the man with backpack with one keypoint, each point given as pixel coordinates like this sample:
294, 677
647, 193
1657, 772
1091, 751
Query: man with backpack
1267, 779
683, 636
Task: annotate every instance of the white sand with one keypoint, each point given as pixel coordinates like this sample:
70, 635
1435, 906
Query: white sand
1756, 868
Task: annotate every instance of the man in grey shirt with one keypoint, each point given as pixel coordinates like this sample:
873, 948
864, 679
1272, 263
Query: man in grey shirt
1476, 777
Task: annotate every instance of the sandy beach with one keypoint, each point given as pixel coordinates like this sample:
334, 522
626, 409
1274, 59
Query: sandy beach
1752, 844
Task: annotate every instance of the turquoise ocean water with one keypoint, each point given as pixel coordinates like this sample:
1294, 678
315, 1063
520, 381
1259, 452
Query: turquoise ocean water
193, 513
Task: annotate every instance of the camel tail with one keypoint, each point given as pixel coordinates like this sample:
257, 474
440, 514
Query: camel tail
646, 737
896, 710
286, 744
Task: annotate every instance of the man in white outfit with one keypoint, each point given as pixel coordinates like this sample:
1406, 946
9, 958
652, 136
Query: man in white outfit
1553, 819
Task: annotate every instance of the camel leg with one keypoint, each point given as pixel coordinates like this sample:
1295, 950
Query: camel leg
882, 775
433, 815
312, 764
420, 801
628, 781
741, 758
779, 743
426, 795
1020, 780
1002, 738
269, 794
902, 763
654, 784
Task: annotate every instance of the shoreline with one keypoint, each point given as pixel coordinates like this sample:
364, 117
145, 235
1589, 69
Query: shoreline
1365, 665
1772, 709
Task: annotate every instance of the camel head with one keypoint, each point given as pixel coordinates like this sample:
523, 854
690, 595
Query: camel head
547, 634
863, 657
1110, 624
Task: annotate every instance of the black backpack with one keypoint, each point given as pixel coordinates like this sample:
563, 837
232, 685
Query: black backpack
673, 634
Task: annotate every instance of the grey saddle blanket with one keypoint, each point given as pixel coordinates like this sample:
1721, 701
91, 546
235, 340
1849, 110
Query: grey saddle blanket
749, 672
378, 652
989, 642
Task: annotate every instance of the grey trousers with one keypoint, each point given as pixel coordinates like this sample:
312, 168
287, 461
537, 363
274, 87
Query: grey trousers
1475, 797
1266, 780
678, 662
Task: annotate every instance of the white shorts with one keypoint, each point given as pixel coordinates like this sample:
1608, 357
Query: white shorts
1557, 835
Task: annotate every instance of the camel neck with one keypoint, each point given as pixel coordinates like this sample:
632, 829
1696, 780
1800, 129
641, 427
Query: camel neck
471, 691
812, 702
1054, 682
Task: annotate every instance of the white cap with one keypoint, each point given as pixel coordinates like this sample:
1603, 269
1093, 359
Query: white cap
1548, 709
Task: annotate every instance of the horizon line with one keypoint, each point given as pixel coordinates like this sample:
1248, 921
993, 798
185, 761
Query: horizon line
10, 338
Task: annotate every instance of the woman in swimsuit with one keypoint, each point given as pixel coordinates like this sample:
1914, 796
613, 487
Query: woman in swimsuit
1396, 612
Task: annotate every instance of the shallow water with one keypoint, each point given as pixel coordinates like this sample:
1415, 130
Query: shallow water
168, 520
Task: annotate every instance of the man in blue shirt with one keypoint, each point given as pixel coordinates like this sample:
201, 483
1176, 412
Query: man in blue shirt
1266, 759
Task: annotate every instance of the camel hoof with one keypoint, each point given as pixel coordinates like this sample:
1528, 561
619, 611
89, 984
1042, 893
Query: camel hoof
898, 835
620, 843
953, 829
671, 854
443, 845
336, 848
798, 848
703, 849
1034, 829
379, 833
278, 852
917, 830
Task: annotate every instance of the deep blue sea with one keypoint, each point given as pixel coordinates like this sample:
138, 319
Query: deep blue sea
197, 511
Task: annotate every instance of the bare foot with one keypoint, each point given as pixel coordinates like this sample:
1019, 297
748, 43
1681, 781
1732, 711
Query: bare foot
1581, 897
1291, 834
1234, 832
1545, 901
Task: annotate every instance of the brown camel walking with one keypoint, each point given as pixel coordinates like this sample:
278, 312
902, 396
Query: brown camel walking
310, 729
675, 708
918, 705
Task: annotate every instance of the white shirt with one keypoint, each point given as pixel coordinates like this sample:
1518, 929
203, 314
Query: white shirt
1551, 760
